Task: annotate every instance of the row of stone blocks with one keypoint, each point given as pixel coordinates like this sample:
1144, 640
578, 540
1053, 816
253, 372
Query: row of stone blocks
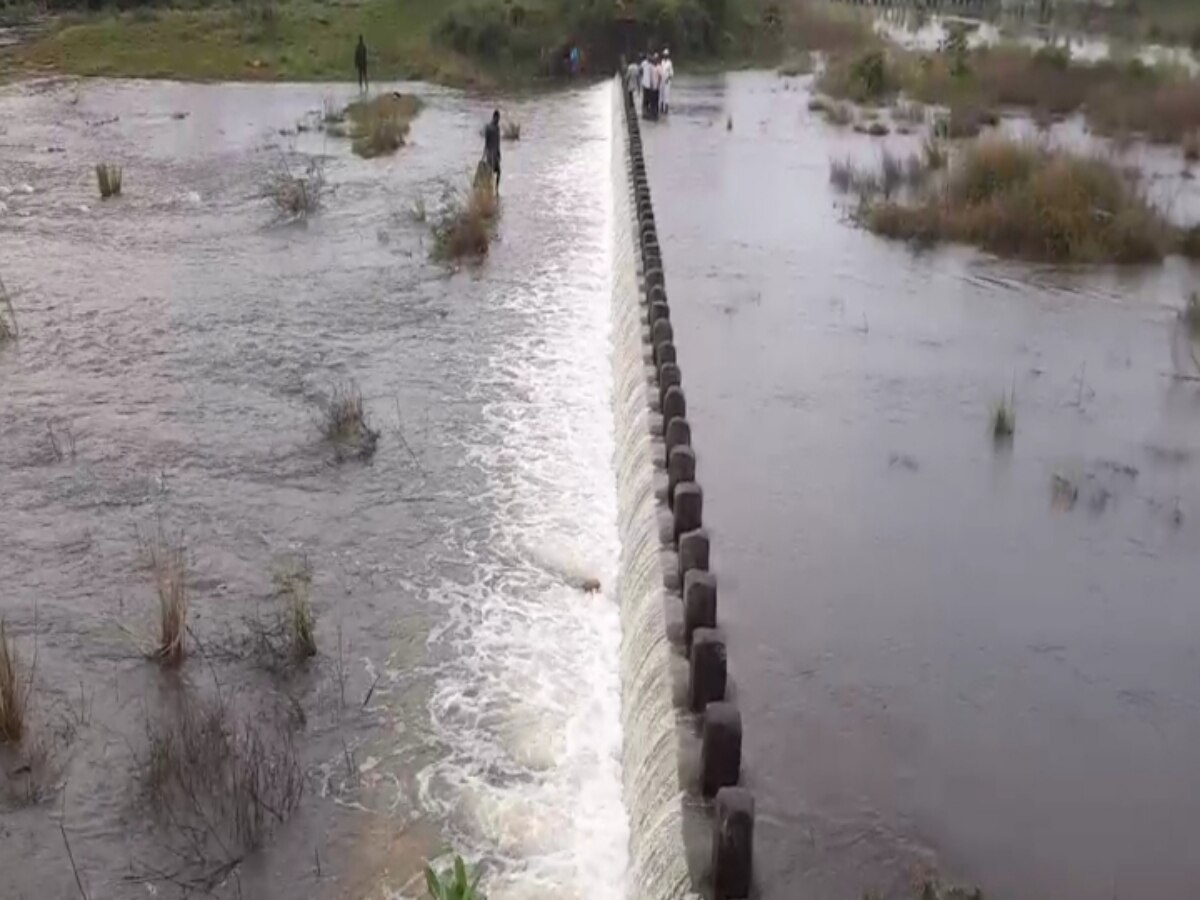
721, 728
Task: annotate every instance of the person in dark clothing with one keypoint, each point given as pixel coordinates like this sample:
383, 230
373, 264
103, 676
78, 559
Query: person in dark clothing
360, 63
491, 146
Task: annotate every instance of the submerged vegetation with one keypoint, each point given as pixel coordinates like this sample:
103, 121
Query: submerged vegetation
1023, 200
380, 125
345, 425
167, 561
463, 228
295, 194
1004, 417
9, 329
108, 179
14, 696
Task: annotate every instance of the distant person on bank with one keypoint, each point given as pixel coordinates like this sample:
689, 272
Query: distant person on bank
360, 63
668, 75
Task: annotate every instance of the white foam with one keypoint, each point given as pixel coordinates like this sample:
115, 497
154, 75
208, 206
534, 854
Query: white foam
528, 708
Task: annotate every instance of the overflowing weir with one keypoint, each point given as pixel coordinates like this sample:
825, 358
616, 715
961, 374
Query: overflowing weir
691, 826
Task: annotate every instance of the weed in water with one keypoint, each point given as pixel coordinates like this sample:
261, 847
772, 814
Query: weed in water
293, 582
379, 126
167, 561
14, 696
1004, 417
218, 785
295, 194
511, 131
1191, 315
331, 113
909, 113
417, 211
729, 123
933, 154
799, 64
454, 883
1191, 146
108, 178
463, 229
344, 424
9, 331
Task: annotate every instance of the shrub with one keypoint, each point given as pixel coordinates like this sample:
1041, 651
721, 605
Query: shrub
867, 77
292, 584
511, 131
108, 178
1020, 200
798, 64
379, 126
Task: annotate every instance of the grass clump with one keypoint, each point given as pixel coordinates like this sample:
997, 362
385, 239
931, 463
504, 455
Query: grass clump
1190, 315
511, 131
379, 126
893, 174
219, 786
293, 582
797, 64
834, 112
295, 194
463, 230
1004, 417
167, 561
344, 424
9, 330
108, 178
1021, 200
454, 883
14, 697
868, 77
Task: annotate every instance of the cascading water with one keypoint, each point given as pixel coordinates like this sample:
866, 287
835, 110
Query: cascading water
653, 794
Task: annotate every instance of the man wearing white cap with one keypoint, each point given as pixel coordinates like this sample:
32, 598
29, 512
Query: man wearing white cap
668, 75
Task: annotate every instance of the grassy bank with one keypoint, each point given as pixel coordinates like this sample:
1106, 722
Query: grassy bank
461, 42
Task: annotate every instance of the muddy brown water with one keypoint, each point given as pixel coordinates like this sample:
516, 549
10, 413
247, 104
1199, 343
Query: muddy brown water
948, 661
466, 691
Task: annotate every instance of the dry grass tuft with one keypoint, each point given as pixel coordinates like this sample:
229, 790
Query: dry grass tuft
218, 785
295, 194
868, 77
379, 126
463, 229
344, 423
1004, 417
1021, 200
167, 561
14, 696
797, 64
9, 330
511, 130
894, 173
108, 178
1191, 146
293, 582
834, 112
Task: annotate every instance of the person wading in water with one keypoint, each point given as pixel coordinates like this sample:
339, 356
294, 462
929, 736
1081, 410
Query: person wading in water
360, 63
491, 147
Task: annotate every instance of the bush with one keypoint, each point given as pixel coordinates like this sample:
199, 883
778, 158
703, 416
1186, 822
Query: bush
8, 316
464, 227
1020, 200
380, 125
295, 194
14, 697
865, 78
344, 424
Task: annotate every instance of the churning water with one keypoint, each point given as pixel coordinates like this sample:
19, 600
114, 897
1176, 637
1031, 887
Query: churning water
179, 342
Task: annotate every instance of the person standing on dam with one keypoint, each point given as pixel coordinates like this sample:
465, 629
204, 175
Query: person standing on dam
360, 63
667, 75
491, 147
632, 80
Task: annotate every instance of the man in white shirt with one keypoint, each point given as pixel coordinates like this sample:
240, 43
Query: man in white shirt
632, 79
668, 75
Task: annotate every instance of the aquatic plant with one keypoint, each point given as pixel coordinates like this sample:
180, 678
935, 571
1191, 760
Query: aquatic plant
167, 561
909, 112
344, 423
868, 77
1191, 146
108, 178
9, 330
463, 229
835, 113
295, 194
292, 584
797, 64
1190, 315
933, 154
380, 125
417, 210
14, 697
218, 785
511, 130
454, 883
894, 172
1004, 417
1021, 200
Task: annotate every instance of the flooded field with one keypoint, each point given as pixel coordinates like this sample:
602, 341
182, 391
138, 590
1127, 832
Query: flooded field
954, 658
177, 347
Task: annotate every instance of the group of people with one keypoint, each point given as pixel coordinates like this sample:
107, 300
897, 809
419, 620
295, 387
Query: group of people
651, 77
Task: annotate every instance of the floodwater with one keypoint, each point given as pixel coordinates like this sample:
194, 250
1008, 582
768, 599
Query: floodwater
179, 342
953, 658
